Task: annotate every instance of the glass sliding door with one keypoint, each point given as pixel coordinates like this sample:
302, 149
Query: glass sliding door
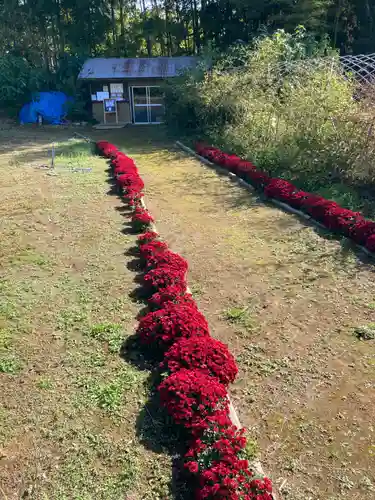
140, 109
156, 104
147, 104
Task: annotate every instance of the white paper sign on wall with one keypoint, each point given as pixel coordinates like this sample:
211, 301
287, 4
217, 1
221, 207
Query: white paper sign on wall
102, 95
116, 88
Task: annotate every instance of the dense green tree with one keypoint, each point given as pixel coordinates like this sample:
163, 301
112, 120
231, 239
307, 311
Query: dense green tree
44, 31
46, 40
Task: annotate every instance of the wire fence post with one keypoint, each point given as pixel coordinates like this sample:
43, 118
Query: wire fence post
53, 156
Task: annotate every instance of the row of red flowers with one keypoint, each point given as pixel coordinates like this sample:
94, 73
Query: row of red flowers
199, 368
341, 220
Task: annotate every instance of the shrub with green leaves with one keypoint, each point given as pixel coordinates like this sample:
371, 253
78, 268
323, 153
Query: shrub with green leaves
289, 109
18, 78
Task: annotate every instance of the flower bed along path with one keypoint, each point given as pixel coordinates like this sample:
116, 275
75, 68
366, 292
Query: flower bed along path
199, 368
335, 218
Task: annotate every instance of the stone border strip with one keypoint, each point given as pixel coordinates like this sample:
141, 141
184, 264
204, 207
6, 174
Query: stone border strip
255, 465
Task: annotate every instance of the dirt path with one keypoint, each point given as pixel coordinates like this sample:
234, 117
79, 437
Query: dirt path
286, 299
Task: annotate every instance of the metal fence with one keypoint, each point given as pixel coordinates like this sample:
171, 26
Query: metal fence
360, 68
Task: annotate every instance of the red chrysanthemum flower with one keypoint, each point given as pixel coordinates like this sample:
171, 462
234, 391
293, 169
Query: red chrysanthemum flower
163, 277
207, 354
370, 243
121, 168
362, 230
151, 248
106, 149
226, 444
229, 162
296, 198
340, 219
174, 293
243, 167
189, 396
141, 219
171, 323
200, 147
147, 237
133, 197
130, 180
318, 207
279, 189
167, 258
257, 178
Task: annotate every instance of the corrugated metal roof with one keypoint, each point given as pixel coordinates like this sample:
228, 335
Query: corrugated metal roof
140, 67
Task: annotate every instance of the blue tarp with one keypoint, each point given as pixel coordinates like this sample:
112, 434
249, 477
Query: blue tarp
52, 106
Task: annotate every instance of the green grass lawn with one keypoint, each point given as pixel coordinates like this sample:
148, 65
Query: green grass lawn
72, 410
294, 304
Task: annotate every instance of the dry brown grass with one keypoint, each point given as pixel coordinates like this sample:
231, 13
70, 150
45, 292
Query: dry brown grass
72, 425
306, 383
285, 298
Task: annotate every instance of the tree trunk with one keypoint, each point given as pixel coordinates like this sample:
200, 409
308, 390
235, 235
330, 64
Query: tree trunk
113, 20
197, 41
60, 29
167, 33
122, 24
149, 46
336, 26
55, 42
45, 44
148, 37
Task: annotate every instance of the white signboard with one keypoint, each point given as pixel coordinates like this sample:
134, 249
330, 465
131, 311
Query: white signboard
102, 95
116, 88
109, 106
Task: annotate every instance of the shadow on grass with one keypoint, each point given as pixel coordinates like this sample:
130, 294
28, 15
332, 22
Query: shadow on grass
134, 265
138, 294
155, 429
113, 188
129, 229
132, 251
135, 140
123, 209
157, 432
26, 138
75, 149
134, 353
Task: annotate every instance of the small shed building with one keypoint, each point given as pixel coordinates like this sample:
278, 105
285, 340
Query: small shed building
128, 90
